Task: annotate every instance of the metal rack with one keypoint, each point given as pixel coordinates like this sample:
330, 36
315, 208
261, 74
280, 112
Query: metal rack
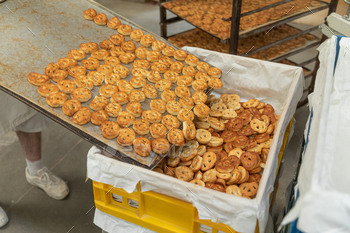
236, 34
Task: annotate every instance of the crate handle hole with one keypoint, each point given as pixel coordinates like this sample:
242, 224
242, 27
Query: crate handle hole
117, 198
133, 203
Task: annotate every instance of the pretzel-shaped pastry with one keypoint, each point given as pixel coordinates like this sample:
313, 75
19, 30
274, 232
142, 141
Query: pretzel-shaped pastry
98, 117
70, 107
214, 72
105, 69
121, 70
89, 14
127, 58
114, 23
142, 63
158, 130
141, 52
158, 45
180, 55
150, 91
153, 56
106, 44
82, 116
158, 105
82, 94
51, 69
199, 85
147, 40
163, 85
113, 109
170, 122
77, 71
199, 97
185, 114
125, 119
128, 46
47, 89
66, 63
125, 86
56, 99
168, 51
137, 96
186, 102
158, 66
83, 81
184, 80
166, 61
126, 137
177, 66
91, 63
189, 70
89, 47
120, 97
66, 86
110, 129
160, 145
141, 127
215, 83
176, 137
38, 79
136, 35
182, 91
76, 54
96, 78
142, 146
203, 66
152, 116
98, 103
100, 54
101, 19
173, 107
125, 29
192, 60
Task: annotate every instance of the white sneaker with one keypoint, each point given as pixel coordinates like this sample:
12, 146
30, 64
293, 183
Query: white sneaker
3, 217
54, 186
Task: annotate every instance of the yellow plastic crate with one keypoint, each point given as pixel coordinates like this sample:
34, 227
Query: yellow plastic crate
152, 209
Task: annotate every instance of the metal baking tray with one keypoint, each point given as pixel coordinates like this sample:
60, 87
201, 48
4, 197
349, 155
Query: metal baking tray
35, 33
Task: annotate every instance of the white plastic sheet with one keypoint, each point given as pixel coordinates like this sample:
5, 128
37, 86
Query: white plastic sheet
323, 184
278, 84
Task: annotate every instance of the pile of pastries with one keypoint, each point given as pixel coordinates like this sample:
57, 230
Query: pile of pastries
209, 15
143, 106
201, 39
231, 146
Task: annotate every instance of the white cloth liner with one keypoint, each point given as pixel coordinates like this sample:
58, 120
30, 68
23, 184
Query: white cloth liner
278, 84
323, 183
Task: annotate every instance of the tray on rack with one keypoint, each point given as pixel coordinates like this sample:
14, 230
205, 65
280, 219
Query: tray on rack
47, 32
259, 21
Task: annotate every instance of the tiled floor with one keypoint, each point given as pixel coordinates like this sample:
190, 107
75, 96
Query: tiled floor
30, 210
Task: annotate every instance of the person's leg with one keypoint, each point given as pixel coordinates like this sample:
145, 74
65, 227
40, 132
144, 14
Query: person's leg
36, 173
3, 218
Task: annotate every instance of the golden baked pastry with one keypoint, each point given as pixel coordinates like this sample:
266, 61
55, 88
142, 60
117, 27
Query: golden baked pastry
126, 137
50, 69
110, 129
137, 96
128, 46
152, 116
203, 66
89, 47
83, 81
173, 107
150, 91
158, 105
89, 14
121, 70
160, 145
114, 23
141, 127
158, 130
98, 103
199, 85
113, 109
77, 71
185, 114
136, 35
170, 75
214, 72
141, 52
147, 40
170, 122
186, 102
117, 39
182, 91
142, 63
192, 60
82, 94
112, 61
176, 137
82, 116
202, 76
38, 79
66, 63
66, 86
120, 97
153, 56
91, 63
142, 146
76, 54
199, 97
201, 110
125, 29
158, 45
189, 70
98, 117
70, 107
47, 89
158, 66
125, 119
116, 51
106, 44
125, 86
189, 130
180, 55
108, 90
163, 85
140, 72
177, 66
215, 83
101, 19
96, 78
154, 77
100, 54
56, 99
168, 51
184, 80
166, 61
127, 58
168, 95
105, 69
